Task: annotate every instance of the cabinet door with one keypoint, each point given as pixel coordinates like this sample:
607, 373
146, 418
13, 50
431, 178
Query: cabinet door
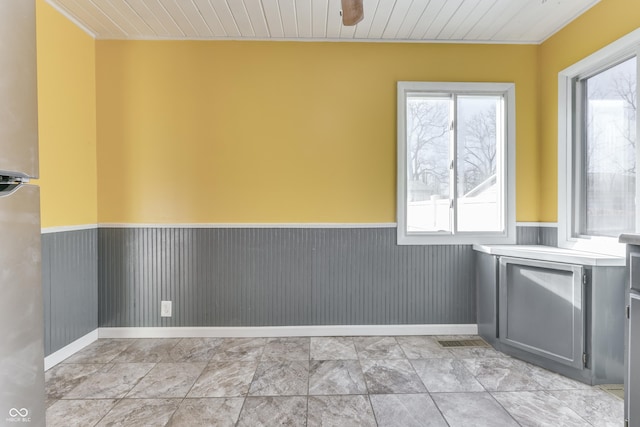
632, 389
541, 309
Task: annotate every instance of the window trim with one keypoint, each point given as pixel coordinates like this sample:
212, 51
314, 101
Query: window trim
618, 51
508, 188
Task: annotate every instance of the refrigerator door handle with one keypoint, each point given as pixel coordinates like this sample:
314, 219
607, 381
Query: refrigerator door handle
10, 184
13, 179
8, 188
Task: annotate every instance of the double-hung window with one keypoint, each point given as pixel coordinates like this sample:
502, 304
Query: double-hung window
598, 185
456, 157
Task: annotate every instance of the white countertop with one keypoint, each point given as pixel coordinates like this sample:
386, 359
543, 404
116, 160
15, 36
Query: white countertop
553, 254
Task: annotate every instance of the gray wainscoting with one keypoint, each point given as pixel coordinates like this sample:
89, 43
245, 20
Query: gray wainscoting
527, 235
288, 276
70, 286
549, 236
535, 235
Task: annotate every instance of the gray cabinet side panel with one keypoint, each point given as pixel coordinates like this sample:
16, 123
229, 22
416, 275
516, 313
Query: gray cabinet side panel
607, 324
487, 296
280, 276
70, 284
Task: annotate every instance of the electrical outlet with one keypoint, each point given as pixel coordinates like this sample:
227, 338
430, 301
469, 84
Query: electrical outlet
165, 308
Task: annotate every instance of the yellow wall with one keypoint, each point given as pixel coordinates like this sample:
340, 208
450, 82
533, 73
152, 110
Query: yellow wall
604, 23
271, 132
67, 120
230, 132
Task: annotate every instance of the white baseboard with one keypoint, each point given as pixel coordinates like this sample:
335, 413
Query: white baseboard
288, 331
69, 350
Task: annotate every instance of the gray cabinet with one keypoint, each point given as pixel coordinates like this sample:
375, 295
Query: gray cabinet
632, 331
556, 308
632, 382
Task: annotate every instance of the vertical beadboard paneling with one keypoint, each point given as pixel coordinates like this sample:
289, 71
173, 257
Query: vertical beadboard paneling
360, 276
258, 277
70, 288
46, 291
533, 235
280, 276
549, 236
116, 288
527, 235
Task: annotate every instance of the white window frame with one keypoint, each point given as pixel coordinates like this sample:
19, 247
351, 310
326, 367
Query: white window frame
505, 165
615, 52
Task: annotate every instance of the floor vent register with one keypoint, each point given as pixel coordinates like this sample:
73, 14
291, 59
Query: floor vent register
463, 343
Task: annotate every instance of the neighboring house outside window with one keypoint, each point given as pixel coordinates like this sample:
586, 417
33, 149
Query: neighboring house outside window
456, 163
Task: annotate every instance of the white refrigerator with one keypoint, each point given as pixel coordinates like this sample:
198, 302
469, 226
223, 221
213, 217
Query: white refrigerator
22, 392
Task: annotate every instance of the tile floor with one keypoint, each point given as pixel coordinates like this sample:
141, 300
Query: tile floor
347, 381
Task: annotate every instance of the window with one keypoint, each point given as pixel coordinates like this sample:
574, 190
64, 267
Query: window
597, 149
456, 162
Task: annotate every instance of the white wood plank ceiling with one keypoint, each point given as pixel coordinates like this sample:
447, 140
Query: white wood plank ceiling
467, 21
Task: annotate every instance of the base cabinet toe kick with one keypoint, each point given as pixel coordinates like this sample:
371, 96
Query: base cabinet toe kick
559, 309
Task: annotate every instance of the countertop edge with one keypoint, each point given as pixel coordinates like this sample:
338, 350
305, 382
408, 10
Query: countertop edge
552, 254
630, 239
